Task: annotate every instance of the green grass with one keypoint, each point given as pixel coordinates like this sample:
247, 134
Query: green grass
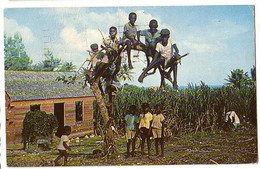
233, 147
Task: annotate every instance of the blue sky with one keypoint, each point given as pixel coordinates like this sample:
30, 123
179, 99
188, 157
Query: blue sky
218, 38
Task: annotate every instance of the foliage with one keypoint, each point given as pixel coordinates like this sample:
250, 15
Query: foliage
125, 73
67, 67
196, 108
253, 73
50, 63
38, 124
239, 79
16, 57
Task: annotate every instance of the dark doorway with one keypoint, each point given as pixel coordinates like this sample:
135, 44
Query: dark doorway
59, 113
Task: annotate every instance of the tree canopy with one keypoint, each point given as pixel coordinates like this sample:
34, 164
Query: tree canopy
16, 57
239, 78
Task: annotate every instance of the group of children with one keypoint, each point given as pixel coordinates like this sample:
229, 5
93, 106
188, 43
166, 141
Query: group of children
145, 125
163, 51
158, 46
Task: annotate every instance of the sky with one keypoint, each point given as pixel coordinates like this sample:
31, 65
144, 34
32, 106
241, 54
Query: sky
218, 38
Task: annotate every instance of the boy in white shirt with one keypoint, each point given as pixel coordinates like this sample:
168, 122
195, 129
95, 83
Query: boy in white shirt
63, 146
164, 57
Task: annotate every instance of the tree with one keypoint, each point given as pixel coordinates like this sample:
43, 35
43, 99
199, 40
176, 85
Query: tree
16, 57
50, 63
253, 73
238, 79
95, 78
67, 67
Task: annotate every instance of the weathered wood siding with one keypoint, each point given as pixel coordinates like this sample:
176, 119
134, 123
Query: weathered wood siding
16, 114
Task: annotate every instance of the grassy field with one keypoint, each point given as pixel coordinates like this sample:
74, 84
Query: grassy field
233, 147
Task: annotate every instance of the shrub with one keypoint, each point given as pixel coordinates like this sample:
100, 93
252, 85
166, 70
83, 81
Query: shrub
38, 124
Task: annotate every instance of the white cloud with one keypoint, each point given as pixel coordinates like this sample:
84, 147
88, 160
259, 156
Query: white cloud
11, 27
74, 44
80, 41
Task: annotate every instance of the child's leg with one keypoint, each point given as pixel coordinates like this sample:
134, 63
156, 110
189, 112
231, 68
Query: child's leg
133, 147
142, 145
162, 146
58, 158
155, 63
128, 147
128, 51
149, 146
156, 146
148, 142
65, 154
143, 139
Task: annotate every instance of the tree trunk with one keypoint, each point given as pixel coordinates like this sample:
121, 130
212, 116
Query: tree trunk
100, 101
109, 134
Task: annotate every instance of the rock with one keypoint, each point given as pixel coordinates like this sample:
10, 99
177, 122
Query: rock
98, 142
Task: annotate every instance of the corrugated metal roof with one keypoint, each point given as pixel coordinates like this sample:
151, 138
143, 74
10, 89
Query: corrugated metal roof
30, 85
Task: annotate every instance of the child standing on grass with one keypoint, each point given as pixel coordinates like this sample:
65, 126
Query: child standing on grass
157, 129
132, 121
63, 146
145, 127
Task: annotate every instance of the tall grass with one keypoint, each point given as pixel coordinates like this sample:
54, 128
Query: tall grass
194, 109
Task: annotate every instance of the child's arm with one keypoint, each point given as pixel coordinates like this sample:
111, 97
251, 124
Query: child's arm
150, 129
66, 146
137, 126
162, 121
162, 130
138, 35
174, 46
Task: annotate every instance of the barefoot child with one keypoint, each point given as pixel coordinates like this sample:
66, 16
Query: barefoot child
157, 126
132, 121
63, 146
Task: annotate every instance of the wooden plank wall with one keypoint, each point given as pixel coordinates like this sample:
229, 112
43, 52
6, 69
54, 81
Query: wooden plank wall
16, 114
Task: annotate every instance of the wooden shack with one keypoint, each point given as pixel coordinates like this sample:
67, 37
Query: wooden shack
27, 91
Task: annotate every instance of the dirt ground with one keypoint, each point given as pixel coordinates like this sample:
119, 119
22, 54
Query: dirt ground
233, 147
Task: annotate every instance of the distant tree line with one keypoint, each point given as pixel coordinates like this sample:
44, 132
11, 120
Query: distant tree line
16, 57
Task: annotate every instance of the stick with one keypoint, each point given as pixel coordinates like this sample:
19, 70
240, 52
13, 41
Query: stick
213, 161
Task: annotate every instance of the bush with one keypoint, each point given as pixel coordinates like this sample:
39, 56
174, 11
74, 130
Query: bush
38, 124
